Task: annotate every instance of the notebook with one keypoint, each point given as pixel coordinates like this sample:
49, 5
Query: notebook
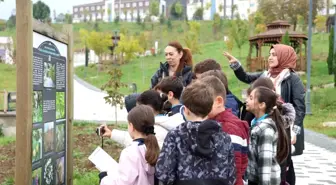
103, 161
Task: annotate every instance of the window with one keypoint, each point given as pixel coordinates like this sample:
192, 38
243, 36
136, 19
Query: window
121, 5
140, 3
134, 4
76, 9
116, 6
98, 7
92, 8
127, 5
147, 3
87, 8
81, 9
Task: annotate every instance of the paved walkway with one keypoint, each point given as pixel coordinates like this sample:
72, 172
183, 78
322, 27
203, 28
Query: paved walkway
317, 166
89, 103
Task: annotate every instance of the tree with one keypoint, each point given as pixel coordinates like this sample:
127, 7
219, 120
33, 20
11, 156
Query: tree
116, 19
127, 48
99, 43
138, 20
283, 10
154, 8
239, 32
86, 13
217, 24
198, 15
102, 12
229, 44
169, 24
11, 22
41, 11
285, 39
331, 57
2, 25
191, 37
112, 87
319, 22
68, 18
178, 9
162, 19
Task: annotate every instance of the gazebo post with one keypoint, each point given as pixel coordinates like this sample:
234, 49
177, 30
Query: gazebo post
260, 59
301, 58
249, 60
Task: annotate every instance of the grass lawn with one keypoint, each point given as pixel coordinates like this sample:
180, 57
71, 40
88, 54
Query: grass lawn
7, 80
323, 110
140, 70
85, 141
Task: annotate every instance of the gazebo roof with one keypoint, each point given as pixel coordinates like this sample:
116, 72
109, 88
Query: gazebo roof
277, 29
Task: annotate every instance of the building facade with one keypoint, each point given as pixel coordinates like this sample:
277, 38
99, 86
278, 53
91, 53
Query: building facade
108, 10
211, 7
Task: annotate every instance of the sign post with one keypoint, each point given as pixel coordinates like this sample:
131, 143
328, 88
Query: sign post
44, 101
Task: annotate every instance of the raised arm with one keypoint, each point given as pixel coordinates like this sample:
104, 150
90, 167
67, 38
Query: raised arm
239, 70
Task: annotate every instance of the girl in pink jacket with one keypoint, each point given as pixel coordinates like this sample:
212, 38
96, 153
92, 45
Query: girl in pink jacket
137, 161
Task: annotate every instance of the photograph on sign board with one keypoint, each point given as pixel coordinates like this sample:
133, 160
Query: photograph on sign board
37, 107
48, 136
36, 177
60, 105
37, 145
60, 137
49, 75
60, 176
48, 175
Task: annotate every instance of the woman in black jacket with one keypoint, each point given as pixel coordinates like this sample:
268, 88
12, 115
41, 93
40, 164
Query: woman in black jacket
178, 63
281, 62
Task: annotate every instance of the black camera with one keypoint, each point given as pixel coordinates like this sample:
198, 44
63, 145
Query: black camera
100, 131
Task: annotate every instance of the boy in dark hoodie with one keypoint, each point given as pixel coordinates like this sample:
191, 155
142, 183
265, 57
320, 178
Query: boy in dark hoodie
231, 101
231, 124
197, 152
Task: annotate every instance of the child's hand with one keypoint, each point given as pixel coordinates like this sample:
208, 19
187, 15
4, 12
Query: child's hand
107, 131
231, 58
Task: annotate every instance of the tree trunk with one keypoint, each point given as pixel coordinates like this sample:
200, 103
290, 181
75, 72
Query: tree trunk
224, 9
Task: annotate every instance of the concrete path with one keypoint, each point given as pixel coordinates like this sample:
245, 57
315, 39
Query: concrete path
89, 103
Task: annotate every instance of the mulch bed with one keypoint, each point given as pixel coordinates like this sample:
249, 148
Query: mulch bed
84, 142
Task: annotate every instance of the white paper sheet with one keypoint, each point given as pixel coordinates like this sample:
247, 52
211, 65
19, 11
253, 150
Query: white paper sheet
103, 161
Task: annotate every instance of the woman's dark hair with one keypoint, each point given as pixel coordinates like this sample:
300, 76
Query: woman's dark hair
269, 97
261, 82
142, 118
154, 99
186, 59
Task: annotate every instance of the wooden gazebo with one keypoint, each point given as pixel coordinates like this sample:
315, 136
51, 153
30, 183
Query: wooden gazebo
273, 35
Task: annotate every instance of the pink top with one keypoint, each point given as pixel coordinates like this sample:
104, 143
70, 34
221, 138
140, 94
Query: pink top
133, 169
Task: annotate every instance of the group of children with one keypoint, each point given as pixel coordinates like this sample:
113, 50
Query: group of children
201, 139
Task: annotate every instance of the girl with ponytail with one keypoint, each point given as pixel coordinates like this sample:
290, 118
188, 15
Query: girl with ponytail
137, 161
178, 63
269, 144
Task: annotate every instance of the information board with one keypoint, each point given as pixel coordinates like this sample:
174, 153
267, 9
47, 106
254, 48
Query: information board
49, 111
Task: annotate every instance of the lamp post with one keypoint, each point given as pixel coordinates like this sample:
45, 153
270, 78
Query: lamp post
310, 22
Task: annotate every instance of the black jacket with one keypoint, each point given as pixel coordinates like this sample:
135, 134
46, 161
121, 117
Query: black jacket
292, 91
186, 75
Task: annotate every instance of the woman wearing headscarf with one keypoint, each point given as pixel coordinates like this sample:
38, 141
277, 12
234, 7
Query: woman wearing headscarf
281, 65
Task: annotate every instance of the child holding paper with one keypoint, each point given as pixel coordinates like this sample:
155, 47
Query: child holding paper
137, 161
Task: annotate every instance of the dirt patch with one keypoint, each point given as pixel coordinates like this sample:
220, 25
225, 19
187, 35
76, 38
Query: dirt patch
85, 141
7, 161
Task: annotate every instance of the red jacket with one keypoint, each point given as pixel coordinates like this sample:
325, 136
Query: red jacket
239, 133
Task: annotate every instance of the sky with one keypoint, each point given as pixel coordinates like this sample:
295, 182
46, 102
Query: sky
61, 6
